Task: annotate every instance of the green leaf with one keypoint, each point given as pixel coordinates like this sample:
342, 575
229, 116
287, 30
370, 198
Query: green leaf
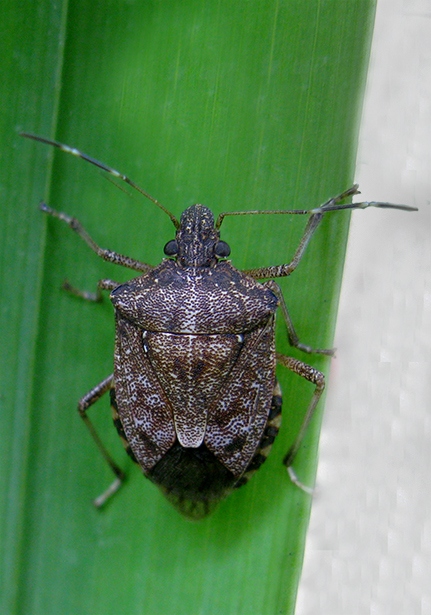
246, 105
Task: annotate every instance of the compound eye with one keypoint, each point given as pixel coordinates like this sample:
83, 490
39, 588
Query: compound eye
222, 249
171, 248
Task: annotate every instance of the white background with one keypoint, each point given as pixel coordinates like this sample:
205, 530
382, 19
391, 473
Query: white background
369, 542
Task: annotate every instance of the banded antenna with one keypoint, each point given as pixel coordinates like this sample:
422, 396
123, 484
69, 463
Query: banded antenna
104, 167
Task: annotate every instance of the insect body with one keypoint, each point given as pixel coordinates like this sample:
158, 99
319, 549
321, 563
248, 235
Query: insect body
194, 391
195, 394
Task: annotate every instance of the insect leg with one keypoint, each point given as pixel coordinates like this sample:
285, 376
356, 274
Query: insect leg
291, 333
107, 255
83, 294
318, 379
84, 403
316, 217
280, 271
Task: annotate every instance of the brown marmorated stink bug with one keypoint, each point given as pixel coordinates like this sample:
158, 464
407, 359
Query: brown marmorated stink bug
194, 394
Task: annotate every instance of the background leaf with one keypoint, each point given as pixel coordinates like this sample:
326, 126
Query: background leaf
247, 105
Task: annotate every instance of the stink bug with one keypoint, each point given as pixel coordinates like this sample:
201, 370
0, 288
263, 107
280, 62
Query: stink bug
194, 393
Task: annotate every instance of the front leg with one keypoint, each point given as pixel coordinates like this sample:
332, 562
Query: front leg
107, 255
316, 217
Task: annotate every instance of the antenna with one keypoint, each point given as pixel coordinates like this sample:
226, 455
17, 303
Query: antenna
104, 167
